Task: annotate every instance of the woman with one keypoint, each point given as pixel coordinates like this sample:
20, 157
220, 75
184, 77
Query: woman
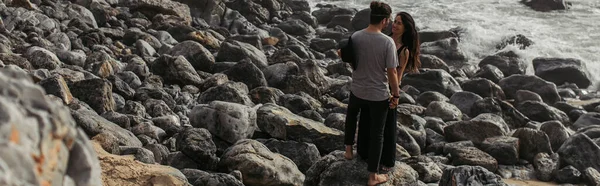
407, 42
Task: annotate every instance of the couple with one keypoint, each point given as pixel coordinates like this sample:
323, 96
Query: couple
381, 61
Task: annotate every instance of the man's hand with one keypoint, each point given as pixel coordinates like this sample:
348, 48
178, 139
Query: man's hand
393, 102
339, 53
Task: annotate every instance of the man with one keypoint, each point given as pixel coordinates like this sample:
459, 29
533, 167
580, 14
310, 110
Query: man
376, 60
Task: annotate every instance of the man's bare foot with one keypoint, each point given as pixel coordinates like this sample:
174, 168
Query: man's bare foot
384, 169
349, 154
375, 179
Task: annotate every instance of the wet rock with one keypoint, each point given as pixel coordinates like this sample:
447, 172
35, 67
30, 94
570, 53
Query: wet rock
532, 142
344, 21
545, 89
483, 88
560, 71
281, 123
446, 49
588, 119
556, 132
546, 5
333, 169
541, 112
580, 151
443, 110
304, 155
526, 95
503, 148
469, 175
545, 166
520, 40
361, 19
199, 146
432, 62
513, 118
325, 15
508, 62
198, 56
433, 80
568, 174
248, 156
490, 72
234, 92
228, 121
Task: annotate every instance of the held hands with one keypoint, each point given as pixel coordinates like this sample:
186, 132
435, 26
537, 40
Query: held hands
394, 101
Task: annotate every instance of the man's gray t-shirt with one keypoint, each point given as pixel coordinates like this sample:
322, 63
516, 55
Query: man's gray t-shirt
374, 53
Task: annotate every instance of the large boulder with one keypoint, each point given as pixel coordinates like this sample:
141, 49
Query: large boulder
447, 49
228, 121
280, 123
546, 5
474, 157
198, 56
333, 169
433, 62
304, 155
545, 89
561, 71
464, 101
541, 112
296, 27
503, 148
586, 120
325, 15
483, 87
235, 51
508, 62
254, 12
41, 143
212, 11
260, 166
198, 145
234, 92
474, 130
444, 110
247, 72
433, 80
581, 151
97, 93
532, 142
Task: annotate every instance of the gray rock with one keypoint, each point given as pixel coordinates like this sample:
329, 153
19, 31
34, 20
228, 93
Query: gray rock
592, 176
280, 123
198, 145
464, 101
304, 155
430, 96
121, 87
277, 74
138, 67
77, 58
334, 170
511, 116
443, 110
580, 151
586, 120
446, 49
175, 70
508, 62
234, 92
469, 175
547, 5
474, 130
160, 152
560, 71
179, 160
433, 62
264, 94
556, 132
435, 124
545, 166
428, 170
526, 95
300, 102
545, 89
490, 72
24, 111
503, 148
247, 73
232, 50
336, 121
95, 92
57, 86
541, 112
157, 108
160, 7
474, 157
532, 142
260, 166
296, 27
170, 124
433, 80
120, 119
323, 45
42, 58
228, 121
144, 49
219, 179
568, 174
483, 88
198, 56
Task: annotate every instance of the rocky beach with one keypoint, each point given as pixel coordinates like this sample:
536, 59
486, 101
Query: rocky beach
252, 92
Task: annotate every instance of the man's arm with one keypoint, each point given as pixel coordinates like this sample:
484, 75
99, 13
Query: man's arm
391, 65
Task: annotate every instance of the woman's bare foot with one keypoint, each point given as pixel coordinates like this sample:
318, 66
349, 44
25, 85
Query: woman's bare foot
349, 154
375, 179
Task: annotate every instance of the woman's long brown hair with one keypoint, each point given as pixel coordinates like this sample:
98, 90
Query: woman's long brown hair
410, 40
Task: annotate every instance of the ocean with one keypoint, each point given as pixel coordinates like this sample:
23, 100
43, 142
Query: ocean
573, 33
